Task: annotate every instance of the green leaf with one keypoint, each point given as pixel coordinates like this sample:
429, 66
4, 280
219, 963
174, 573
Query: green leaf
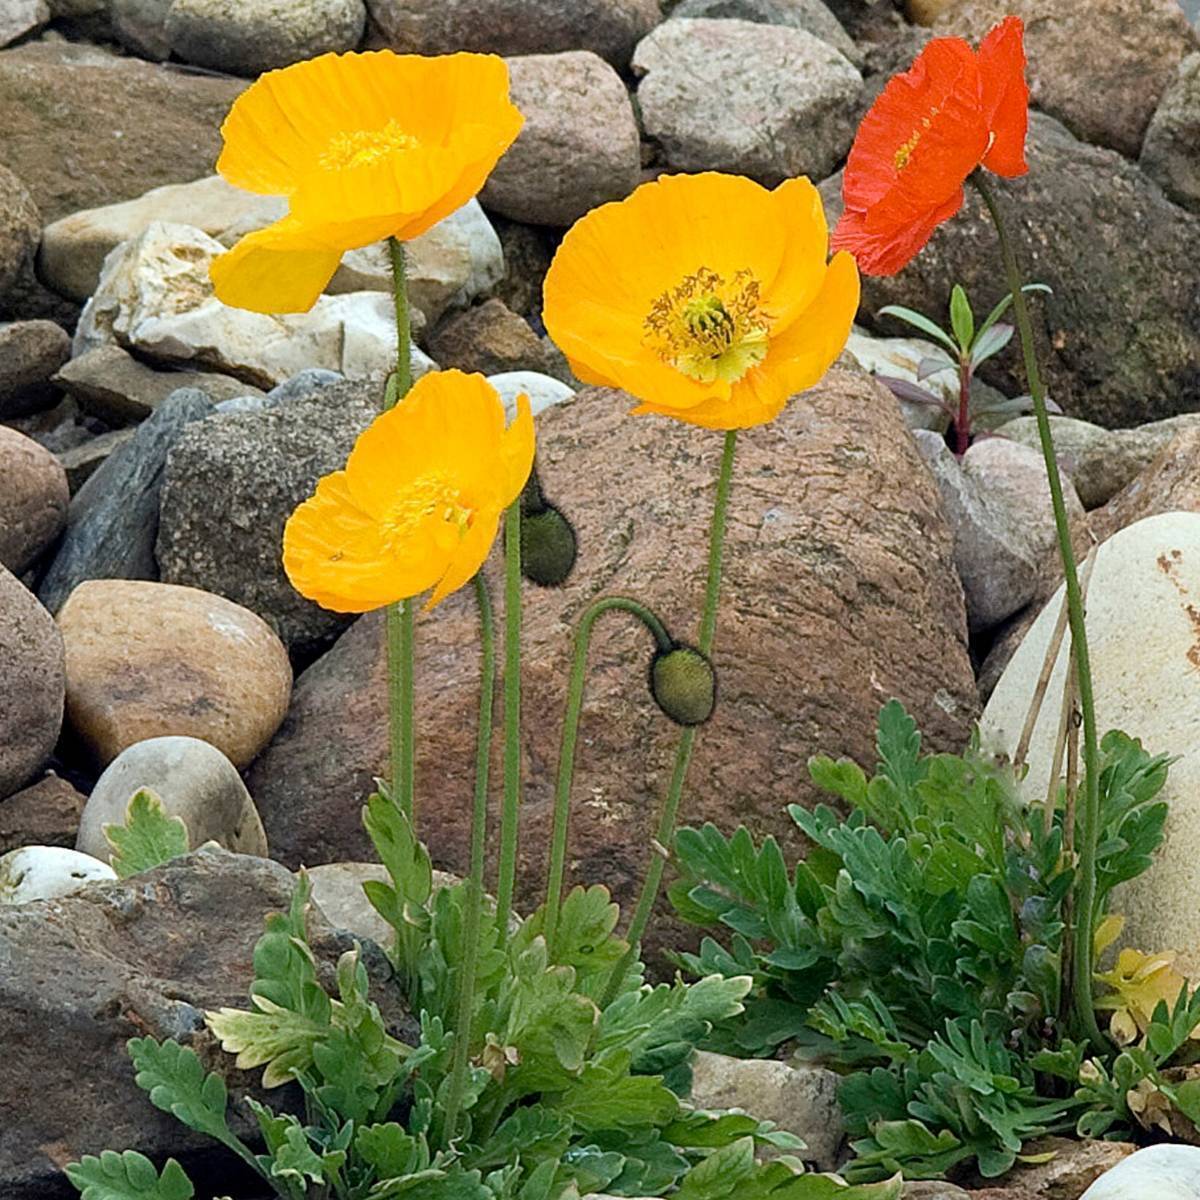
989, 343
606, 1096
923, 323
530, 1134
962, 319
148, 838
128, 1176
721, 1174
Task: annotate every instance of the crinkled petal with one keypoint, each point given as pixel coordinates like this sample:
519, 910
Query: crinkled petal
1005, 97
468, 558
887, 250
282, 268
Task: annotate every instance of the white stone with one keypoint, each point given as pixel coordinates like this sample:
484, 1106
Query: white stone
544, 391
901, 358
1166, 1172
338, 892
155, 296
19, 17
46, 872
1143, 622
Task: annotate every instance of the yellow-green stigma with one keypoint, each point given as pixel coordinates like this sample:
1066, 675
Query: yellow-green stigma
708, 328
365, 146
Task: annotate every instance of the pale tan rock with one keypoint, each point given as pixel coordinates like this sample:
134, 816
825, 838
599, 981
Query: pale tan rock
338, 892
33, 499
148, 660
194, 781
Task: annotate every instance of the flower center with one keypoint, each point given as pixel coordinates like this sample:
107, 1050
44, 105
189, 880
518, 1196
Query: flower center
427, 496
709, 328
905, 152
365, 146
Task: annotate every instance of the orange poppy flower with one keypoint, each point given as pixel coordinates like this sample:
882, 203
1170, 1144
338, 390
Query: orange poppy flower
419, 502
364, 146
953, 110
708, 297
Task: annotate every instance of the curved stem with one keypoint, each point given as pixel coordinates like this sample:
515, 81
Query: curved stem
1089, 816
683, 756
400, 616
566, 756
511, 813
475, 897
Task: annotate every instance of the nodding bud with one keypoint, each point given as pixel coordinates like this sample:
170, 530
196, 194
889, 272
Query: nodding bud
548, 547
683, 684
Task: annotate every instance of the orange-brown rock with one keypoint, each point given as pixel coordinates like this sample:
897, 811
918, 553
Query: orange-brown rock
149, 660
839, 593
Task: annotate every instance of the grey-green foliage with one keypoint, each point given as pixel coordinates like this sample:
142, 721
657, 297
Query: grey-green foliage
917, 947
148, 838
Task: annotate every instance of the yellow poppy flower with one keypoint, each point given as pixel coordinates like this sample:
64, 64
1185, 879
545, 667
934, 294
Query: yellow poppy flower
365, 146
419, 502
708, 297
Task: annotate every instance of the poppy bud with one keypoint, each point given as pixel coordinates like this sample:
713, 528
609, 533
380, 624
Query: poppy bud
683, 684
548, 547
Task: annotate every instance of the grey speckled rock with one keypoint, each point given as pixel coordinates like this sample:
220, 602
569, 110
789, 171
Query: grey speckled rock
19, 17
758, 100
20, 228
113, 518
31, 699
195, 782
579, 146
1166, 1172
811, 15
247, 37
141, 26
231, 485
1171, 151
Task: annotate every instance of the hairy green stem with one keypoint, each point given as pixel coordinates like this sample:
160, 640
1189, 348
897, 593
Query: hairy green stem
665, 832
511, 812
400, 616
475, 897
566, 755
1089, 816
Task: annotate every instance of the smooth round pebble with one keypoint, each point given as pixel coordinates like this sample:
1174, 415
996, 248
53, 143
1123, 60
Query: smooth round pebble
46, 872
195, 782
33, 499
1166, 1172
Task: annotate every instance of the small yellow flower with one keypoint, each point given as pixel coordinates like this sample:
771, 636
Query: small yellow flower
364, 146
419, 502
708, 297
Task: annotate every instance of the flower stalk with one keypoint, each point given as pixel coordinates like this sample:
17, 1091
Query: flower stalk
511, 812
400, 615
1089, 813
665, 832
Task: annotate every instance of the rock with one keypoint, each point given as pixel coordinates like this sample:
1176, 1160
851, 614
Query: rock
158, 126
810, 15
33, 500
528, 250
31, 700
45, 813
74, 247
47, 872
542, 390
155, 296
231, 486
1102, 461
114, 386
489, 339
1169, 154
997, 502
925, 12
337, 891
934, 1189
800, 1099
610, 28
579, 145
1125, 50
20, 226
113, 518
30, 353
141, 26
794, 114
454, 263
247, 37
1073, 1163
1145, 672
1166, 1172
21, 17
900, 358
142, 957
148, 660
195, 782
81, 462
840, 593
1170, 483
1118, 338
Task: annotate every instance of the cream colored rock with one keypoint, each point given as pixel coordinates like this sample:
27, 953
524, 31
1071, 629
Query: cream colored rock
149, 660
901, 358
1166, 1172
155, 296
47, 872
1143, 621
544, 391
195, 782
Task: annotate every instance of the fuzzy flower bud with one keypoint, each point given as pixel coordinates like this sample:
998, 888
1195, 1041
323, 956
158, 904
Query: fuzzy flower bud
683, 684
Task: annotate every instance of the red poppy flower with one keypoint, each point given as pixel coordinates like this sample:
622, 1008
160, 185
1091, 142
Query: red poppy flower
952, 111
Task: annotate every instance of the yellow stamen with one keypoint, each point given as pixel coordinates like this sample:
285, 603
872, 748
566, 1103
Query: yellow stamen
708, 328
365, 146
427, 496
905, 153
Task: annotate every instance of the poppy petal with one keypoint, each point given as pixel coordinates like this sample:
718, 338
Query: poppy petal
467, 559
280, 269
1005, 97
887, 250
